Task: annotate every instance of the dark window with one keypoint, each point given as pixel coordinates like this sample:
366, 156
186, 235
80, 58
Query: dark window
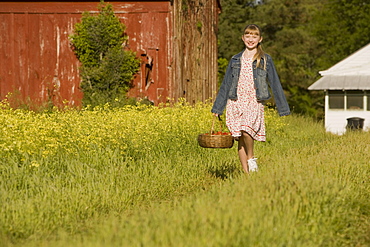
336, 100
355, 100
368, 100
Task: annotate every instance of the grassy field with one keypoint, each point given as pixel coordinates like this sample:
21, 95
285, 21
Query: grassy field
135, 176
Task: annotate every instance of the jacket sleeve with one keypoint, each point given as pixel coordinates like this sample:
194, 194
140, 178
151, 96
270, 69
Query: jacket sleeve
277, 90
222, 95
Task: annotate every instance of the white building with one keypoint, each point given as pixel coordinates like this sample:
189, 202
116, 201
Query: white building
347, 91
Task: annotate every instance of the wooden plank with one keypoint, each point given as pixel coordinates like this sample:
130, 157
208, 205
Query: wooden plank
6, 54
48, 49
21, 55
80, 7
68, 65
34, 59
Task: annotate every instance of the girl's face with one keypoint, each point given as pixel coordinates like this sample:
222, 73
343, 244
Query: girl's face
251, 38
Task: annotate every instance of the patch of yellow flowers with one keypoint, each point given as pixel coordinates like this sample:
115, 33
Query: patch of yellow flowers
141, 127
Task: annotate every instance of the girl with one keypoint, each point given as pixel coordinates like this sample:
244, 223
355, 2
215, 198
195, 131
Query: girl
243, 91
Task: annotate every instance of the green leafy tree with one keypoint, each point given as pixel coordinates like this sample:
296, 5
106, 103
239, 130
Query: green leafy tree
342, 27
222, 65
232, 21
107, 68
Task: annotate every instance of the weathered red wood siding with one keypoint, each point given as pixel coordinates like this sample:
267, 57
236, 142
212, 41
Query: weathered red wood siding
38, 64
149, 27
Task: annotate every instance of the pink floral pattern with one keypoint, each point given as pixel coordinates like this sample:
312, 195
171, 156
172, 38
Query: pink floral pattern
246, 113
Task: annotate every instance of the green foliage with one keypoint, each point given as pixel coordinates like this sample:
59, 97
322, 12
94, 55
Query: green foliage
107, 69
233, 19
342, 27
222, 65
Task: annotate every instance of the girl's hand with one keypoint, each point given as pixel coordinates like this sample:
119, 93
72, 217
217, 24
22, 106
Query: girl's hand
215, 114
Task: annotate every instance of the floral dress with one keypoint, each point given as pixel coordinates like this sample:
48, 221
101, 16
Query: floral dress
245, 113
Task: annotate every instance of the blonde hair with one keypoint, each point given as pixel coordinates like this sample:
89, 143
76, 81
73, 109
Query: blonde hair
256, 30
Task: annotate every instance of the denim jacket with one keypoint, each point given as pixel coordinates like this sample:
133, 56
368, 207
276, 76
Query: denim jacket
228, 89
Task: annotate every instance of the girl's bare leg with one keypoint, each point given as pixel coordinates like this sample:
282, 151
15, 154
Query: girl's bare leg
245, 150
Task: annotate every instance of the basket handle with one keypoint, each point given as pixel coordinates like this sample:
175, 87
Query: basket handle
213, 123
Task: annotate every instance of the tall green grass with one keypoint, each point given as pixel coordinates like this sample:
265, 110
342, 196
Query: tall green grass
136, 177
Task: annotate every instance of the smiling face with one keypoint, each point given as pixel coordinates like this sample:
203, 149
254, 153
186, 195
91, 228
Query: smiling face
251, 37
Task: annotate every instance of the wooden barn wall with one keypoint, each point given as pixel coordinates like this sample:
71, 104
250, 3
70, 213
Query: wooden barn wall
38, 64
177, 46
149, 27
195, 49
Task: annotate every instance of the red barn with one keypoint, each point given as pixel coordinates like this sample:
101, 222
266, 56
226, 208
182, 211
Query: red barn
176, 41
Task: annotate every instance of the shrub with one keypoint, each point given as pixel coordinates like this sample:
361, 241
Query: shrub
107, 69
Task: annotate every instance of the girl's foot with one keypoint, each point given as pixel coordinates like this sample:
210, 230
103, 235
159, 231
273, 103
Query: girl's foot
252, 165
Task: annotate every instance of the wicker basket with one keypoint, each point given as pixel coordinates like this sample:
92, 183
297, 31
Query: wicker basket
209, 140
215, 141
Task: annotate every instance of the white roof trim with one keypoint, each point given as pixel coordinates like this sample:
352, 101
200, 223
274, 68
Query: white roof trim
344, 82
